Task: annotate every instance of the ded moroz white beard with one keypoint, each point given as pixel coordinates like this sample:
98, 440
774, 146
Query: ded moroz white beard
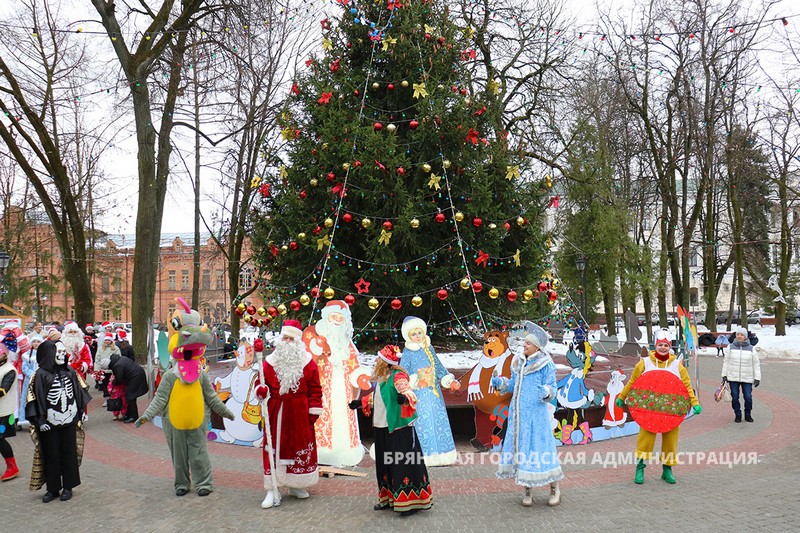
289, 360
73, 342
338, 337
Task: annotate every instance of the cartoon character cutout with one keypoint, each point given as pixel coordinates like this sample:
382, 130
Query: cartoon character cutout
574, 396
487, 402
236, 390
615, 416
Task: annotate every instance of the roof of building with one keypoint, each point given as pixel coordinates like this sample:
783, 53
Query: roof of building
128, 240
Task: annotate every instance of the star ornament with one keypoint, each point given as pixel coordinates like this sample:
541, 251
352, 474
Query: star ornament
362, 286
512, 172
493, 86
516, 258
327, 44
283, 174
420, 91
255, 182
433, 183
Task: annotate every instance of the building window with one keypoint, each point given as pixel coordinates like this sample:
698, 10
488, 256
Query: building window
172, 279
244, 279
206, 312
118, 284
171, 309
118, 314
694, 254
220, 280
184, 279
206, 280
104, 284
106, 315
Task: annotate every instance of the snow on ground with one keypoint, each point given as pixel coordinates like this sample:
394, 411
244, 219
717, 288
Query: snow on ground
769, 346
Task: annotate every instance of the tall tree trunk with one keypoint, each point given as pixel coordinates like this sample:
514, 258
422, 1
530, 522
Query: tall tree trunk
196, 247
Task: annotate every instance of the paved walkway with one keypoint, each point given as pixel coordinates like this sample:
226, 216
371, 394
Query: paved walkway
127, 483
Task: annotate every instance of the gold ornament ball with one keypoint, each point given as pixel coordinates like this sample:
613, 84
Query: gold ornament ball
551, 302
414, 223
282, 309
493, 293
284, 248
556, 283
241, 307
376, 85
520, 221
314, 182
247, 318
304, 299
446, 163
261, 311
528, 295
492, 226
345, 166
328, 222
373, 303
365, 223
416, 301
468, 100
459, 216
404, 84
329, 293
426, 167
465, 284
301, 236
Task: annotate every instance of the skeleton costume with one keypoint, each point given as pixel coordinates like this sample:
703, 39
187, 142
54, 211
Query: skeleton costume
56, 400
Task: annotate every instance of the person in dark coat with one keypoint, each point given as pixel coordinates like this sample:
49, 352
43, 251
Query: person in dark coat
125, 347
57, 398
129, 372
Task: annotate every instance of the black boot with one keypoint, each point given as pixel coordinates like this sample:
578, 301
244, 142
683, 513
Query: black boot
748, 418
738, 419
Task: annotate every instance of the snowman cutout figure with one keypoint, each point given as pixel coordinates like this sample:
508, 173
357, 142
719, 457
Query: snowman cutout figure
243, 402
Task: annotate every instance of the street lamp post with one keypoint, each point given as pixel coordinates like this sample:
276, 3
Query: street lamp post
580, 264
4, 259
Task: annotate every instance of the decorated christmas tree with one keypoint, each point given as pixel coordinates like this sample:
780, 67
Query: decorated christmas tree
399, 193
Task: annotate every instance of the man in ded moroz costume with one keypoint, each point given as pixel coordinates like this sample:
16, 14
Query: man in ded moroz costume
658, 395
330, 341
80, 356
291, 382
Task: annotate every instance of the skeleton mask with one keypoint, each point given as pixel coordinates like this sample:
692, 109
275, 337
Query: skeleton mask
61, 353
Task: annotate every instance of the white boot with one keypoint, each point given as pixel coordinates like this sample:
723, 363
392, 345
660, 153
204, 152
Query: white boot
269, 500
555, 495
527, 500
301, 494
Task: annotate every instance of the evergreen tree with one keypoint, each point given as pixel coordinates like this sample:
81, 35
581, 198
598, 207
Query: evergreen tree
399, 175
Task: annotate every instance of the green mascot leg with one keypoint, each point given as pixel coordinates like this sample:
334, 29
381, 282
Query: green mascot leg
666, 475
199, 460
176, 440
639, 478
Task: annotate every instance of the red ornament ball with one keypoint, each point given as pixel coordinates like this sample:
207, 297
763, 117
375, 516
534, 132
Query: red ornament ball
396, 304
239, 312
477, 286
440, 217
401, 171
477, 222
377, 126
357, 163
356, 92
347, 217
272, 311
511, 296
543, 286
413, 124
388, 226
390, 86
293, 245
507, 226
303, 194
251, 309
350, 299
315, 292
294, 305
331, 176
442, 294
317, 230
552, 295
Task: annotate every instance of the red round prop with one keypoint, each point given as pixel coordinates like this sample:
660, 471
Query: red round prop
388, 226
350, 299
658, 401
293, 245
251, 309
543, 286
347, 217
512, 295
377, 126
477, 222
440, 218
477, 286
272, 311
295, 305
413, 124
442, 294
396, 304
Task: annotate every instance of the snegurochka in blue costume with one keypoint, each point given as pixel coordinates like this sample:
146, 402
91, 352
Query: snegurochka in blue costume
529, 450
427, 377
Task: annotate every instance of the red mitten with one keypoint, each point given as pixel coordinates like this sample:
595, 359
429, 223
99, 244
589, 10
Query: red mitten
261, 391
258, 345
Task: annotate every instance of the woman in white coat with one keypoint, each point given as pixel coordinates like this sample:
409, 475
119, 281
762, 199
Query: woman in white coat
742, 370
